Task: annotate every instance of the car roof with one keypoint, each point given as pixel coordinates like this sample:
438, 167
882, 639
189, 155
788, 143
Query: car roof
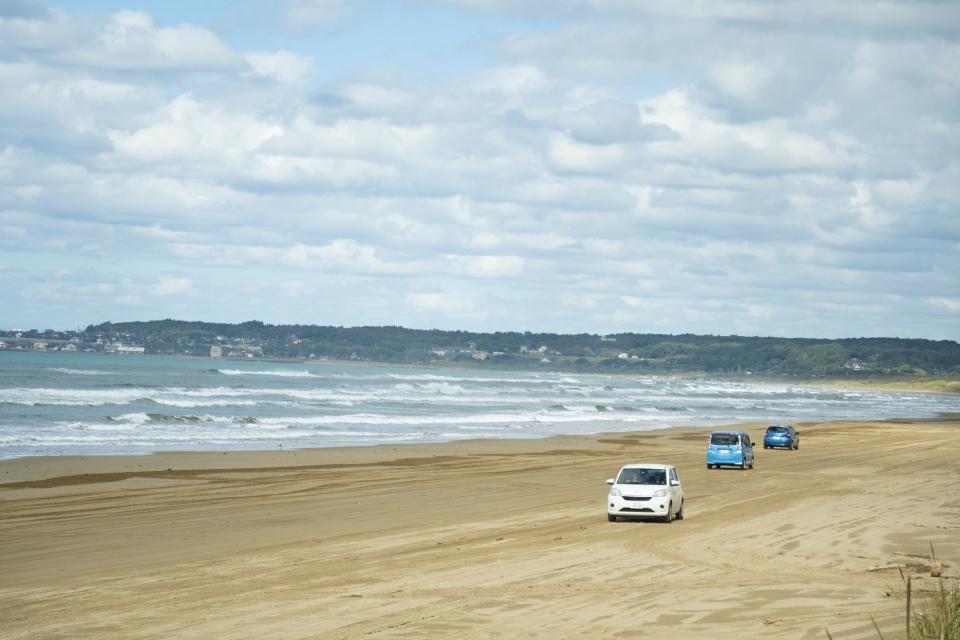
645, 465
733, 433
781, 425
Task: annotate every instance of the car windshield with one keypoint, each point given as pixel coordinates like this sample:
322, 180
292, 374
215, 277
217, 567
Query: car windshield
724, 438
642, 476
776, 429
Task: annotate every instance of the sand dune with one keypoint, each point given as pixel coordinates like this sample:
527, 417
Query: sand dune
479, 539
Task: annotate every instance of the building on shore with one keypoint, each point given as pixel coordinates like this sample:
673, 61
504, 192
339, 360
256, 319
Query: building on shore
216, 351
122, 348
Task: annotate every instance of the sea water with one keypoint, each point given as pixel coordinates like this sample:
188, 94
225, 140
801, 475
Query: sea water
89, 404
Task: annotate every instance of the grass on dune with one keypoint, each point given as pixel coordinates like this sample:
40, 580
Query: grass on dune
939, 617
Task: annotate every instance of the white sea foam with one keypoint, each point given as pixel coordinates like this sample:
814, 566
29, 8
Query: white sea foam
79, 372
82, 397
192, 404
367, 405
144, 418
432, 388
498, 418
280, 373
430, 377
132, 418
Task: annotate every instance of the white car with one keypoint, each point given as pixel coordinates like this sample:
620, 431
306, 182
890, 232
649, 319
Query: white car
646, 491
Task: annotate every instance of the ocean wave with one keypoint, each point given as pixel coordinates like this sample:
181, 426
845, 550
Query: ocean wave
291, 407
440, 395
503, 418
429, 388
145, 418
79, 372
225, 397
80, 397
280, 373
100, 397
464, 379
193, 404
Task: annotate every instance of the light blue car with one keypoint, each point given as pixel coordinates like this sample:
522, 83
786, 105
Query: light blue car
733, 448
781, 435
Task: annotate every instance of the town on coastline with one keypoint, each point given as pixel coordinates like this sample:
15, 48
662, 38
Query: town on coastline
863, 358
226, 347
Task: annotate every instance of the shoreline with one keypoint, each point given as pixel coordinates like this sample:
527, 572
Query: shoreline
480, 537
31, 469
214, 456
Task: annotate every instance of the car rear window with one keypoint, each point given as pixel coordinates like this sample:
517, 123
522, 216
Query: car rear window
642, 476
724, 438
776, 429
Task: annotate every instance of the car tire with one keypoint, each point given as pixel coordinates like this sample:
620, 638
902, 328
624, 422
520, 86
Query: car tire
667, 519
796, 445
743, 465
709, 466
680, 513
611, 518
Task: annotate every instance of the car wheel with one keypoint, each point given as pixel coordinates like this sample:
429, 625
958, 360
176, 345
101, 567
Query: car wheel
709, 466
743, 464
668, 518
766, 446
611, 518
796, 445
680, 513
753, 462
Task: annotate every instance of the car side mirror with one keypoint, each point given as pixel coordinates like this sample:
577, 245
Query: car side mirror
674, 483
610, 481
753, 444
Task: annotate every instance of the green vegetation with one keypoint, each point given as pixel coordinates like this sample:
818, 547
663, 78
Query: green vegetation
939, 617
872, 360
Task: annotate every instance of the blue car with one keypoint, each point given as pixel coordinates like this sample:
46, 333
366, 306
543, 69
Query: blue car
732, 448
781, 435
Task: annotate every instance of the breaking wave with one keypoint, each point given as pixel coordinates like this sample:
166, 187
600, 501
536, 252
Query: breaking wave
280, 373
79, 372
178, 404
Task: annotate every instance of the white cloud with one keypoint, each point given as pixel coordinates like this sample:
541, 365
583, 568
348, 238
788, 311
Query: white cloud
283, 66
173, 286
443, 302
889, 16
337, 256
745, 81
512, 82
198, 130
568, 155
302, 15
377, 99
950, 304
604, 248
130, 40
620, 166
705, 136
487, 266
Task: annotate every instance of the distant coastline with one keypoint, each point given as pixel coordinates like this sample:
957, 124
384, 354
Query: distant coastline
914, 364
912, 384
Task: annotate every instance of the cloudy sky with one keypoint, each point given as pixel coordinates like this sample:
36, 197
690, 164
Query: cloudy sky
741, 167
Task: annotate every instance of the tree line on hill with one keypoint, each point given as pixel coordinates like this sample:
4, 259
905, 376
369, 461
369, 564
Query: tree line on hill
623, 352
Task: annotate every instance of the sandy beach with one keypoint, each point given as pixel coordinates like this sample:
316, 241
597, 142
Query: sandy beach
480, 539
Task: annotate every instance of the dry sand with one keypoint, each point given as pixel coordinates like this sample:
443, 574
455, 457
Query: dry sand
479, 539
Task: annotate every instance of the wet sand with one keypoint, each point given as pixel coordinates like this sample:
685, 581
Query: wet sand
480, 539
